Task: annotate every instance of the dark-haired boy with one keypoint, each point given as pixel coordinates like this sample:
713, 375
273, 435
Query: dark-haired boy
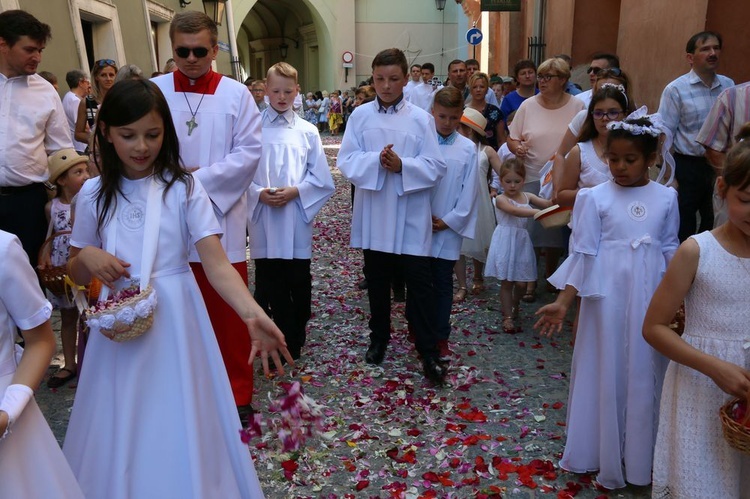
454, 214
390, 153
421, 93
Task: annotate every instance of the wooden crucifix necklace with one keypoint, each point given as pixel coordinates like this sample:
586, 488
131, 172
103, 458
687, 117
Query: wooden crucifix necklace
192, 124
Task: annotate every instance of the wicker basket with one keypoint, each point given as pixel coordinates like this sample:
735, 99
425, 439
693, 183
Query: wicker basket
53, 278
736, 434
124, 320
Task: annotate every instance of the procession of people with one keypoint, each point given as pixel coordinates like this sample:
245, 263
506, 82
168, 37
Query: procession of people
156, 189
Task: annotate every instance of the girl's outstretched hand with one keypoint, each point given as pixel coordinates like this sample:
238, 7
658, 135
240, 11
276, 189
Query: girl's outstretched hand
104, 266
266, 338
731, 378
551, 319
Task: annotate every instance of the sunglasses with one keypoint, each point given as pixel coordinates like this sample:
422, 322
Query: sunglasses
604, 73
598, 71
105, 62
184, 52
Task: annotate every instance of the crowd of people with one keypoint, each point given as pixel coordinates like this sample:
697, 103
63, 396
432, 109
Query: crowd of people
157, 183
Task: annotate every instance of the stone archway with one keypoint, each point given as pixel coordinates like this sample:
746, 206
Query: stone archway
306, 28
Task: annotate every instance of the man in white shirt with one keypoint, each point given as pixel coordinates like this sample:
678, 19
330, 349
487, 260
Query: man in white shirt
218, 125
32, 126
415, 79
421, 93
80, 86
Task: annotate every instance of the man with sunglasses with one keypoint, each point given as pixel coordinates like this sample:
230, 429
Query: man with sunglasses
684, 106
218, 126
32, 126
599, 62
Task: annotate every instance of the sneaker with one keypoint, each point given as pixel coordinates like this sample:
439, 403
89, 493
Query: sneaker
445, 353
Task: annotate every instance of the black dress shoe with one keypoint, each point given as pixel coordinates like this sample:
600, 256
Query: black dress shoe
375, 352
362, 284
434, 370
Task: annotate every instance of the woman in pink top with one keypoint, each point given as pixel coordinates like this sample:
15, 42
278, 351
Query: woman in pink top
535, 134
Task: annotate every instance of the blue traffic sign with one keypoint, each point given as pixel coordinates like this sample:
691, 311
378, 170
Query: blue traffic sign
474, 36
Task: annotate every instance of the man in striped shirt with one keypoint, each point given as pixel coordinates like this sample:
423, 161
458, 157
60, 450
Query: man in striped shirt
684, 105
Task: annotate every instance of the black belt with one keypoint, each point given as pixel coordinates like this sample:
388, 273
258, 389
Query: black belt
11, 190
688, 156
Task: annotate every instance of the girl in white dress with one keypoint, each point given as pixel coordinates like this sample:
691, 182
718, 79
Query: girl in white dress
511, 257
155, 416
31, 462
585, 164
624, 234
68, 171
472, 127
711, 361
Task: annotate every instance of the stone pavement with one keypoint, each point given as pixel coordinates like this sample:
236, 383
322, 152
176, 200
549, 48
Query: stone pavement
497, 429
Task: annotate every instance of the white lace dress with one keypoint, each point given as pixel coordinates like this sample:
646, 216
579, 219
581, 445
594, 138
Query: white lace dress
692, 458
511, 256
61, 221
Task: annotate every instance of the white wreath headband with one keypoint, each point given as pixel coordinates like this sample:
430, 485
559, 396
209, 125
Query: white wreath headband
620, 88
657, 129
636, 129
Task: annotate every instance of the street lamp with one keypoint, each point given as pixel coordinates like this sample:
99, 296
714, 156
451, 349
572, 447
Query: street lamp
440, 4
215, 9
284, 49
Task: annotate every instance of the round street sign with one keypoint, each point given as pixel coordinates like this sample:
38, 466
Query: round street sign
474, 36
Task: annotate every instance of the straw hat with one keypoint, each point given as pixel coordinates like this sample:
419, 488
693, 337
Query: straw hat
474, 120
62, 161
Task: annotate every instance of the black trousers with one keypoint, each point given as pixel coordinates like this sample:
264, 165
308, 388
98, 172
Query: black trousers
284, 289
380, 268
22, 214
695, 179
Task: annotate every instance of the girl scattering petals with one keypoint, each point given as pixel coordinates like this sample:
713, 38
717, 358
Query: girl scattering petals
711, 360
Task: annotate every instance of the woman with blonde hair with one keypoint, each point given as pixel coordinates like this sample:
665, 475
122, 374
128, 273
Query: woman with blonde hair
102, 78
494, 131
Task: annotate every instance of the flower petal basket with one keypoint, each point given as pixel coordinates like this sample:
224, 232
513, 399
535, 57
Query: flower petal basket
736, 433
125, 316
53, 278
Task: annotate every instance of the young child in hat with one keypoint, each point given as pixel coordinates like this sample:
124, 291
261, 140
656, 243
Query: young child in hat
68, 170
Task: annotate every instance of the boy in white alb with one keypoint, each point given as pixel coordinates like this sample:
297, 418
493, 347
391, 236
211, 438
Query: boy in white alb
291, 184
218, 126
454, 214
390, 153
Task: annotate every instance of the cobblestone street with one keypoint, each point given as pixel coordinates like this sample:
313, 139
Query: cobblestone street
497, 429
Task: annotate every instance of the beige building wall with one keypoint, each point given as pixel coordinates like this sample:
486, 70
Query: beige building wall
558, 33
415, 26
729, 18
60, 55
651, 43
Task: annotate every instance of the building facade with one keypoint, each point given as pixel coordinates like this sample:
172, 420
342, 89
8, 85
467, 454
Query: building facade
312, 35
649, 37
315, 35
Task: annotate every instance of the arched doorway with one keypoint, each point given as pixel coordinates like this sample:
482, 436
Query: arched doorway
295, 31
